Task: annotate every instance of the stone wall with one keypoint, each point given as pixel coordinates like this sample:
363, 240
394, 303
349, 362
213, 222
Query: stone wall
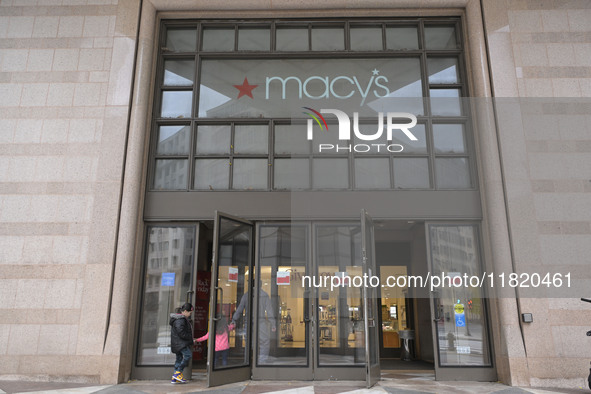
65, 78
540, 53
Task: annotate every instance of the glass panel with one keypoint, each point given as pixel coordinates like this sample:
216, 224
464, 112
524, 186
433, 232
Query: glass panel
173, 140
181, 40
341, 329
234, 251
290, 140
251, 139
212, 174
372, 173
326, 141
448, 138
292, 39
330, 173
462, 337
394, 311
411, 173
250, 174
402, 38
166, 282
176, 104
291, 174
452, 173
440, 37
366, 39
254, 39
443, 69
328, 39
218, 39
282, 334
282, 87
213, 140
404, 86
445, 102
418, 146
179, 72
170, 175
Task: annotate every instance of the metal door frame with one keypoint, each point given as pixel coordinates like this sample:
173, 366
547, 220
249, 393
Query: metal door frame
370, 300
237, 373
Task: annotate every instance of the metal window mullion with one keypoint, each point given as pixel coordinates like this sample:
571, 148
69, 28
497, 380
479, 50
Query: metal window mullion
430, 153
235, 37
273, 31
347, 33
272, 124
384, 44
427, 104
231, 157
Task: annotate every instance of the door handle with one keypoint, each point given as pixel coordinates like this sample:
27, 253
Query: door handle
307, 307
215, 318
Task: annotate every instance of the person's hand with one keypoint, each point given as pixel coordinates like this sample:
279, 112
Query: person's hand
273, 328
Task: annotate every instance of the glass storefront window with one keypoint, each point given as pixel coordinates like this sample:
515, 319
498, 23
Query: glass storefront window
251, 139
292, 174
249, 174
176, 104
372, 173
292, 39
212, 174
440, 37
341, 330
213, 140
218, 39
179, 72
174, 140
249, 107
449, 138
254, 39
455, 251
330, 174
366, 39
170, 174
328, 39
411, 173
402, 38
443, 70
165, 286
283, 260
452, 173
181, 40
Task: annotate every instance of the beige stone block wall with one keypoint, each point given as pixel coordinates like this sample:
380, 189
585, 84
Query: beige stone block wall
539, 52
64, 108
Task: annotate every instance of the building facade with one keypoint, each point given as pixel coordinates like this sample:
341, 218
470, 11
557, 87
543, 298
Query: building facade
125, 125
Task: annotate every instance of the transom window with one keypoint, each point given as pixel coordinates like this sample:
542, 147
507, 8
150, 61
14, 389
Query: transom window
238, 106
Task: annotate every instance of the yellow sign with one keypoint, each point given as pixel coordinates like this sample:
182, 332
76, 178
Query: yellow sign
459, 308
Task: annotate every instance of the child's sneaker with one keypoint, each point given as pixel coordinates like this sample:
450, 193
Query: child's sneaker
177, 377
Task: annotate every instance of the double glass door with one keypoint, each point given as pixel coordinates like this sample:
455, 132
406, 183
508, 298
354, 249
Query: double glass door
308, 320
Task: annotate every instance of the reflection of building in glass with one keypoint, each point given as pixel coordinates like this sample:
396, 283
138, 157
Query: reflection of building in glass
167, 278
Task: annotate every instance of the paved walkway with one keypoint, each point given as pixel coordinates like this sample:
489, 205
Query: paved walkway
407, 382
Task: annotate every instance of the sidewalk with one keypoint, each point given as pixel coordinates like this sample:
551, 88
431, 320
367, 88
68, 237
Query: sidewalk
407, 382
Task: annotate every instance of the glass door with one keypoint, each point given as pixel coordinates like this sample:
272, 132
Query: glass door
459, 311
168, 279
282, 305
228, 357
370, 298
339, 335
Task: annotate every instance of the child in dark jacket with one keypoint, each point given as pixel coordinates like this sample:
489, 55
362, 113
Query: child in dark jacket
181, 341
222, 340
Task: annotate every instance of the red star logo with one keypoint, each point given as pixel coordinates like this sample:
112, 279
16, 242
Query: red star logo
245, 89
